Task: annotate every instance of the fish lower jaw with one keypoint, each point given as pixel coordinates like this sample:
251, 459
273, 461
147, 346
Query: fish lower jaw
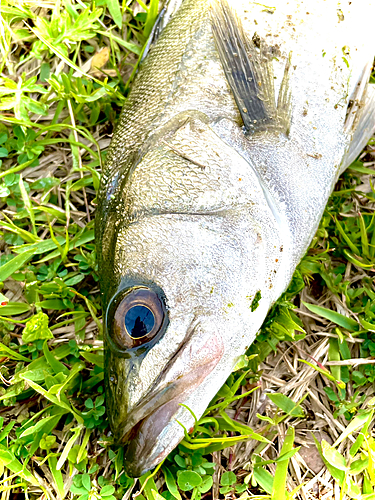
151, 439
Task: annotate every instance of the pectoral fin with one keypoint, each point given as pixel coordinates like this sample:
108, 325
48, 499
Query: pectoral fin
364, 124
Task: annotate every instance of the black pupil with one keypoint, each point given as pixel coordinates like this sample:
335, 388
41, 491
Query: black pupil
139, 321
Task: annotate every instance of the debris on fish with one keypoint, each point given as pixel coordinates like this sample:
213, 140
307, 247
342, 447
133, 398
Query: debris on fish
237, 127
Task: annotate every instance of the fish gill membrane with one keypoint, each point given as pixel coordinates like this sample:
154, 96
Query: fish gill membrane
239, 122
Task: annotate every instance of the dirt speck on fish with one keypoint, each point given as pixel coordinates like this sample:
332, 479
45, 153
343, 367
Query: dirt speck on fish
217, 176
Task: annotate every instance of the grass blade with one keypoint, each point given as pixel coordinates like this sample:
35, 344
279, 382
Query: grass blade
15, 264
364, 239
35, 428
346, 238
70, 63
171, 483
325, 373
279, 482
334, 355
14, 309
68, 447
264, 479
57, 476
115, 11
25, 235
14, 465
12, 354
355, 260
348, 323
287, 405
27, 203
151, 17
358, 422
52, 398
136, 49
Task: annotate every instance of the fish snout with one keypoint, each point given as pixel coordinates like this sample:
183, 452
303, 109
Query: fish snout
151, 430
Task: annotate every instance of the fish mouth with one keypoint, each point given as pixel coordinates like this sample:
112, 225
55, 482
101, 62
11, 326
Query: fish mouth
150, 432
144, 444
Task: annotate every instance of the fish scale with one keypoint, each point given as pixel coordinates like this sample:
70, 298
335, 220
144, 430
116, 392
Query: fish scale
236, 129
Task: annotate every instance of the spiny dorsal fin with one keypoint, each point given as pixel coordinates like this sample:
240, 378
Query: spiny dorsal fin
249, 74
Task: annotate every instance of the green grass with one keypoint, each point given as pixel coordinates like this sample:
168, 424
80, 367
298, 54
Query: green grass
58, 111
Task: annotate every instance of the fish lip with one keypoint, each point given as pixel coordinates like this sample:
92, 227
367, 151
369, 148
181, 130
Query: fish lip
141, 412
148, 421
152, 402
142, 454
163, 395
142, 448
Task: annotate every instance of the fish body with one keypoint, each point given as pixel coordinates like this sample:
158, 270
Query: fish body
237, 127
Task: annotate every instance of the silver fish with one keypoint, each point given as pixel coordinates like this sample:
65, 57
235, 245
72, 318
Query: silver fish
237, 127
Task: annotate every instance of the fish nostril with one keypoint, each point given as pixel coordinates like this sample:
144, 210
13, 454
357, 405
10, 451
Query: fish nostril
112, 376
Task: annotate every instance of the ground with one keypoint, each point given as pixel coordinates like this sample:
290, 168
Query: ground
295, 418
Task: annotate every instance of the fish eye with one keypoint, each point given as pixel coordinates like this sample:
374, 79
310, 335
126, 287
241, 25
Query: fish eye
138, 317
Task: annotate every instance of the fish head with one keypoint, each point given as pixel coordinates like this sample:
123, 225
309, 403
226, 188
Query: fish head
192, 280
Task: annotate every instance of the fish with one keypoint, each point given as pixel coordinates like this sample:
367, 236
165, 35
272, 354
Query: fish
239, 122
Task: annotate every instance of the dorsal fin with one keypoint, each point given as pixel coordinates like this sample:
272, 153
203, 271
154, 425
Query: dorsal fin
249, 73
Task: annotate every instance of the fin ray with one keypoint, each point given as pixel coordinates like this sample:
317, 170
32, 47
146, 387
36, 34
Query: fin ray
365, 127
248, 71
